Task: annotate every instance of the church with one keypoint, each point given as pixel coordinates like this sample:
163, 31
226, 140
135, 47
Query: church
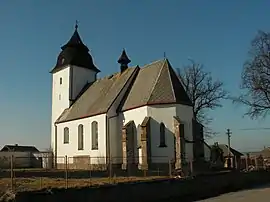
138, 116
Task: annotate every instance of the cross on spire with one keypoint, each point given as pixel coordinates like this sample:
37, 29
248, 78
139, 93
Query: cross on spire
76, 24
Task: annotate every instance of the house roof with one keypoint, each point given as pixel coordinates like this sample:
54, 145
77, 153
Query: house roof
18, 148
233, 152
75, 52
207, 145
265, 153
155, 83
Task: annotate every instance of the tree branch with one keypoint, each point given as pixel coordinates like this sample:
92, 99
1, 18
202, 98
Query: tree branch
205, 94
255, 79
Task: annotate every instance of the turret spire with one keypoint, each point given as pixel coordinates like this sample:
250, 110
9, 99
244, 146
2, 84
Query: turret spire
124, 61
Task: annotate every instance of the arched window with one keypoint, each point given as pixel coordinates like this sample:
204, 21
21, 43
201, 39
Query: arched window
61, 80
80, 137
66, 135
94, 130
139, 134
162, 140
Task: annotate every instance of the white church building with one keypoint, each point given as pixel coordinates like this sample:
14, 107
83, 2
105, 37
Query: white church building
138, 116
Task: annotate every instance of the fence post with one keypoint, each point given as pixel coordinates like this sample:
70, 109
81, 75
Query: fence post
40, 182
256, 163
110, 169
66, 171
191, 167
90, 174
246, 162
170, 168
11, 172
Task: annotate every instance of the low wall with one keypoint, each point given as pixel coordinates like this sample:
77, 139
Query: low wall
159, 190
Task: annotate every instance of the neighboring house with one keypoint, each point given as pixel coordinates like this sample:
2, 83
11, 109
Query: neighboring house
207, 152
19, 148
231, 156
23, 156
266, 153
258, 158
138, 115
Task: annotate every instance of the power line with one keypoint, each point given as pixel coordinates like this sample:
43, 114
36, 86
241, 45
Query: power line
254, 129
218, 134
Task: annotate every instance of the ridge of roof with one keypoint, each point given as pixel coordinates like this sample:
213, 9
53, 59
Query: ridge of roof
153, 87
153, 83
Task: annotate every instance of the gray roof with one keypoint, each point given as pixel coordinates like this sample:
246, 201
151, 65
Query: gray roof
18, 148
98, 97
233, 152
155, 83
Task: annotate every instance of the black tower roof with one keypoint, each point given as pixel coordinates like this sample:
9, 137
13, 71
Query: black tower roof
74, 52
124, 60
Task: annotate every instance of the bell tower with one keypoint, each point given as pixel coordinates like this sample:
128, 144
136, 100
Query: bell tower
73, 70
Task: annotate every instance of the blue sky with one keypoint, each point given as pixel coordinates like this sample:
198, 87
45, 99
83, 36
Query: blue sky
215, 33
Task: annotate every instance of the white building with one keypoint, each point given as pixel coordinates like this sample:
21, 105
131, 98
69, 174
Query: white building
139, 115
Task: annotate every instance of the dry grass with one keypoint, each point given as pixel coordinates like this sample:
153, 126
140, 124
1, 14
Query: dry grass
30, 184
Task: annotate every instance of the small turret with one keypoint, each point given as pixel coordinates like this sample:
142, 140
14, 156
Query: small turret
123, 61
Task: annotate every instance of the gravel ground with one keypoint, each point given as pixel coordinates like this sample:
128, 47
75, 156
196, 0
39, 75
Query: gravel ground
260, 194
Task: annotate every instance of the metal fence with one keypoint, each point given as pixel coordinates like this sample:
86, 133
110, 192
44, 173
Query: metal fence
81, 171
40, 173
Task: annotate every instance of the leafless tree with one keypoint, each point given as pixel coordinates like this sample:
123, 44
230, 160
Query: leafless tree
255, 81
205, 93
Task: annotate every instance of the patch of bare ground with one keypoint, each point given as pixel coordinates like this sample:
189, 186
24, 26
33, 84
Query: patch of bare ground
31, 184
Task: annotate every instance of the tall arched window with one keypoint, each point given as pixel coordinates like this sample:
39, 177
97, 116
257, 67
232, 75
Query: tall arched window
80, 137
139, 133
162, 140
94, 130
66, 135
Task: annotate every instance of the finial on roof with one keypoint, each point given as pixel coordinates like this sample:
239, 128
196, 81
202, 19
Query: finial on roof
165, 55
124, 60
76, 24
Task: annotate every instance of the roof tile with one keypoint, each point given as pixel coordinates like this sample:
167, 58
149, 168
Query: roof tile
155, 83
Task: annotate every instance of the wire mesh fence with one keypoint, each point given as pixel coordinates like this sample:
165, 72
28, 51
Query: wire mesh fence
31, 173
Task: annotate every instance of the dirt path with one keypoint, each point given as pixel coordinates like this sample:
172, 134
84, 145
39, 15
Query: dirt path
261, 194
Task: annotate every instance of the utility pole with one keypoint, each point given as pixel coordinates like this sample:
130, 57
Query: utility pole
229, 147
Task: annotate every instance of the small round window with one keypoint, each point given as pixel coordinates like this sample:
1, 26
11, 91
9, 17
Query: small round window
63, 60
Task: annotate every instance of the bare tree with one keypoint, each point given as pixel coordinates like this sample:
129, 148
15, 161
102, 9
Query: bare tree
256, 77
204, 92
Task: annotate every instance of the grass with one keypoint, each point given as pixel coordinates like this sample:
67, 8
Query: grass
31, 184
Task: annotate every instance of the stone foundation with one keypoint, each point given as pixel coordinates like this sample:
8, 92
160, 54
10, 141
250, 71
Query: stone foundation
82, 163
